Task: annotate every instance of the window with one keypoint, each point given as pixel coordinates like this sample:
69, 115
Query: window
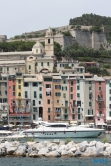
109, 106
19, 94
79, 117
48, 40
78, 87
48, 101
13, 87
110, 113
19, 86
99, 82
90, 82
78, 81
35, 84
41, 63
26, 94
64, 88
6, 92
33, 102
13, 93
57, 94
35, 109
78, 94
100, 112
49, 110
90, 103
40, 88
72, 110
40, 96
74, 102
57, 86
73, 116
54, 80
0, 100
90, 88
5, 84
64, 95
40, 83
78, 103
100, 88
48, 79
0, 93
71, 89
110, 98
64, 82
36, 64
57, 101
48, 64
63, 72
39, 102
71, 96
78, 110
26, 84
90, 96
73, 72
72, 65
110, 85
72, 83
66, 103
48, 85
35, 95
65, 111
0, 69
34, 117
48, 117
29, 67
4, 78
5, 100
19, 81
109, 91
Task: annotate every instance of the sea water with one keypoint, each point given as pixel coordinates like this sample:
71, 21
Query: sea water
24, 161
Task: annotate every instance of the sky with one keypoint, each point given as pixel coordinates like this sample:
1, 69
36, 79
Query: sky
20, 16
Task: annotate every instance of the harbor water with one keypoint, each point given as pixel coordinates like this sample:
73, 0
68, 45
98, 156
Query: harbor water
21, 161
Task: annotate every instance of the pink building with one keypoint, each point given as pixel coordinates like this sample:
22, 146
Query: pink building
48, 110
100, 103
11, 93
72, 99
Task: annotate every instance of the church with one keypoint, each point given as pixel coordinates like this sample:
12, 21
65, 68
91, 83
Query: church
39, 60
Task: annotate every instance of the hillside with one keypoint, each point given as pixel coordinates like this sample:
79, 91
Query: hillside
94, 20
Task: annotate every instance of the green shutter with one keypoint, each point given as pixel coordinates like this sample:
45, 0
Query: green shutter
88, 111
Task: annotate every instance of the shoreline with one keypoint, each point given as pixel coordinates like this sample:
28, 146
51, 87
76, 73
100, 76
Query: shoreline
55, 149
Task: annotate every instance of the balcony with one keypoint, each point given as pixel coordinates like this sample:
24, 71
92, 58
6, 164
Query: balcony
57, 118
20, 114
19, 120
57, 111
100, 115
99, 99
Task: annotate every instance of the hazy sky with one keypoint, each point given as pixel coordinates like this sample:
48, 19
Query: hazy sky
20, 16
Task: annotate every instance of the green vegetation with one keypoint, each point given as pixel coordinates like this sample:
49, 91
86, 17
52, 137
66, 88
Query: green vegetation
54, 70
105, 140
95, 21
68, 140
68, 67
31, 139
96, 29
107, 66
67, 33
97, 71
16, 46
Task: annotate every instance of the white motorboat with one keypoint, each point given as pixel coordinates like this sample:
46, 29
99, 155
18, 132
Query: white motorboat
58, 130
5, 133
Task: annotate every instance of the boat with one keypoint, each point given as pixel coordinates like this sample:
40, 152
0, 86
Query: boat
4, 134
56, 131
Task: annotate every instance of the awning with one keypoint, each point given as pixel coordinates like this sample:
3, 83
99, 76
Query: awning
101, 124
73, 121
4, 115
108, 118
89, 115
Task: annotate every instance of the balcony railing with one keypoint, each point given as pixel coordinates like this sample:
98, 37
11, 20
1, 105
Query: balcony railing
57, 118
99, 99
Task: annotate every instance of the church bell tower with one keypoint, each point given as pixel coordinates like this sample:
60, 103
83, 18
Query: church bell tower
49, 43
